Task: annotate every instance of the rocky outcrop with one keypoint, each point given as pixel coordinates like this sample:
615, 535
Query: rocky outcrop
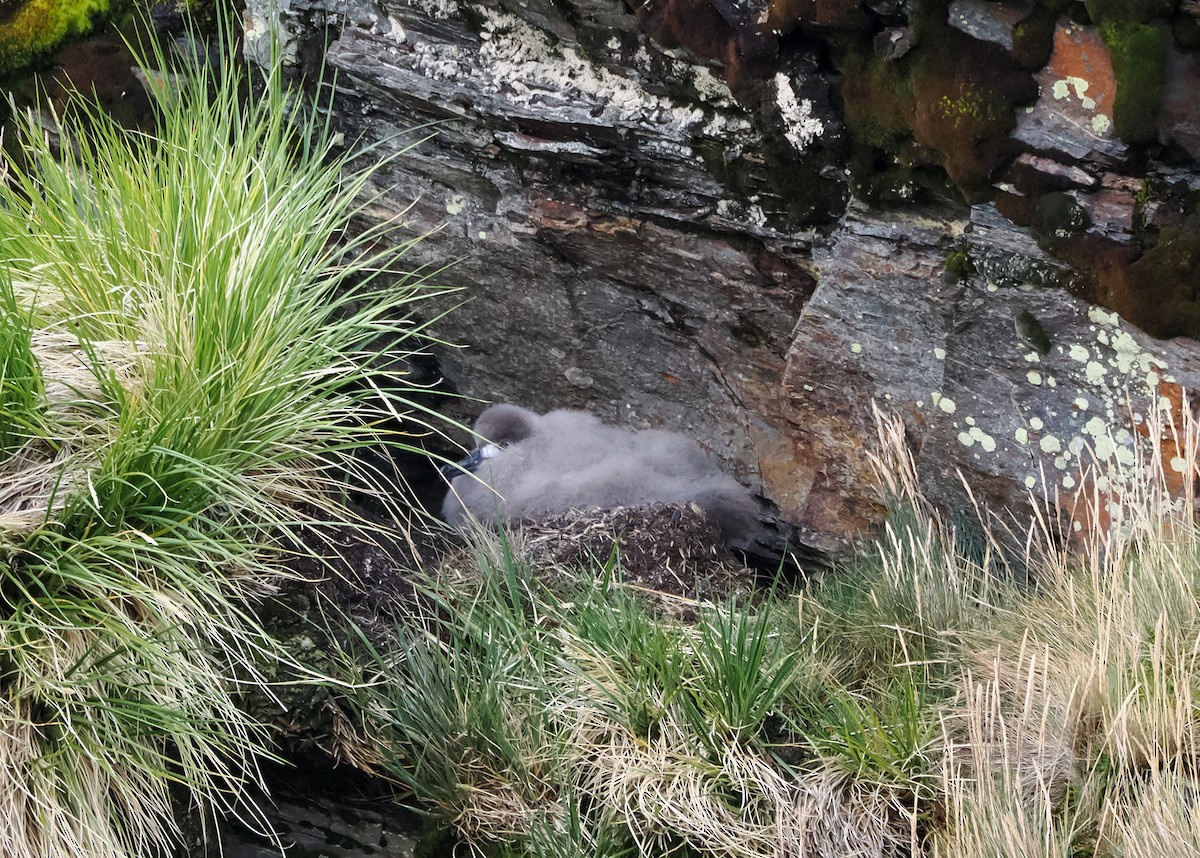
750, 221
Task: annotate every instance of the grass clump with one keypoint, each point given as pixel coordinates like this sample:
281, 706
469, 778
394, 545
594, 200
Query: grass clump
184, 380
580, 708
921, 701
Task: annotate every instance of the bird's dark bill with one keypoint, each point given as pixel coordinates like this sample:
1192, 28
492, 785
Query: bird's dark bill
465, 466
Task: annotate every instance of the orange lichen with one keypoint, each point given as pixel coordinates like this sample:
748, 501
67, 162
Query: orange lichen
1080, 55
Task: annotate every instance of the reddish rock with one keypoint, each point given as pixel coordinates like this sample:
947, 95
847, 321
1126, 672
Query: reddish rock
1077, 89
715, 31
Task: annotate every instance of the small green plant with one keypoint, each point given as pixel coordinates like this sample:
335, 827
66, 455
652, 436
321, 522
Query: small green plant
739, 675
886, 738
632, 659
21, 383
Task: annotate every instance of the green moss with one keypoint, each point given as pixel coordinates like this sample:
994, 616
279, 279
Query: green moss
878, 102
1139, 58
959, 265
39, 25
969, 106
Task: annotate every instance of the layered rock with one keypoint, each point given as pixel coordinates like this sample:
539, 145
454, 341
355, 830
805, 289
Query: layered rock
750, 221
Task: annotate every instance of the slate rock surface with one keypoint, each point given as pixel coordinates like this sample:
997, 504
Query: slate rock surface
751, 221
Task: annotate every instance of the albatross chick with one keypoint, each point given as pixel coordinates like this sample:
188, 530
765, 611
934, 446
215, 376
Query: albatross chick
531, 466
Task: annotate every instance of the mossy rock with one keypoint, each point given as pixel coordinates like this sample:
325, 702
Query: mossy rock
30, 30
1139, 58
965, 93
34, 27
1162, 283
951, 95
959, 265
878, 101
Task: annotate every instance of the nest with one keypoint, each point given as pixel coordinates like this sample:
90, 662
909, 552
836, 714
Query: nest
670, 548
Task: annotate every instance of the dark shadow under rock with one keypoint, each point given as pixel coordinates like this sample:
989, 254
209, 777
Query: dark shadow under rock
346, 581
330, 812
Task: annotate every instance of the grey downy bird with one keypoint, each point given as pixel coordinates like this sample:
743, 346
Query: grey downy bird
530, 466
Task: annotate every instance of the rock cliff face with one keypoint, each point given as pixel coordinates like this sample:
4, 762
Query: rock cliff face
749, 220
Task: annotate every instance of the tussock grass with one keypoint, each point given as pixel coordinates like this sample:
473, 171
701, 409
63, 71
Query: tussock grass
920, 701
184, 379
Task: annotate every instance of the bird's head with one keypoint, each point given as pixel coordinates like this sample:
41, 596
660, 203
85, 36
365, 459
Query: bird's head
498, 428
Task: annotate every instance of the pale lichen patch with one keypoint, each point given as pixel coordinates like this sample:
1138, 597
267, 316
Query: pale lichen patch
1095, 427
1050, 444
1063, 86
1104, 447
1102, 317
947, 404
709, 87
986, 442
523, 64
800, 126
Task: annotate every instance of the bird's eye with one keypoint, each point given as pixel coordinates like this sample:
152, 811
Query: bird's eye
503, 445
